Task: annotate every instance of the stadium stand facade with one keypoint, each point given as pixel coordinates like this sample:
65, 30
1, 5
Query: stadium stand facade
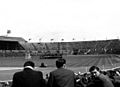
11, 45
87, 47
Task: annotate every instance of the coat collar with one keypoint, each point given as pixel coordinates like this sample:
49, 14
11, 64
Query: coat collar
29, 67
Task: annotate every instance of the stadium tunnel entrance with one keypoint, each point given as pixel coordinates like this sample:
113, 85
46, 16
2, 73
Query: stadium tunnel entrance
10, 45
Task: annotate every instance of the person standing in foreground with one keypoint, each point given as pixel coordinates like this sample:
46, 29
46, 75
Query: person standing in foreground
28, 77
61, 77
103, 80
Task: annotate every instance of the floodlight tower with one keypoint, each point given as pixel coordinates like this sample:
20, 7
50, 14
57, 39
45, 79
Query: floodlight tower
8, 32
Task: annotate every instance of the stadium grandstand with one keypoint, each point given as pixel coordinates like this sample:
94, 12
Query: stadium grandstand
12, 45
86, 47
17, 46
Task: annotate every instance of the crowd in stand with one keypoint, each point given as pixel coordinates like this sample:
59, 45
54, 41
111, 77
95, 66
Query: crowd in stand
63, 77
87, 47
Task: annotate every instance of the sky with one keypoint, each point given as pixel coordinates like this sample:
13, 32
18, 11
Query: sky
43, 20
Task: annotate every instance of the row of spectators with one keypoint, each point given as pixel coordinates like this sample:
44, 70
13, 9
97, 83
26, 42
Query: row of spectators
12, 54
87, 47
91, 79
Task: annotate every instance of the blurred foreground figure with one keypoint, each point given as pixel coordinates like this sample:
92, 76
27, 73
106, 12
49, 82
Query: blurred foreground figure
61, 77
28, 77
99, 79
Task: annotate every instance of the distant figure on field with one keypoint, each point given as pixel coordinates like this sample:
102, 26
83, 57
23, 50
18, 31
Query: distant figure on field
61, 77
43, 65
28, 77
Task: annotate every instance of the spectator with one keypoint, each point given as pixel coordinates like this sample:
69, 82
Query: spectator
61, 77
28, 77
100, 80
116, 77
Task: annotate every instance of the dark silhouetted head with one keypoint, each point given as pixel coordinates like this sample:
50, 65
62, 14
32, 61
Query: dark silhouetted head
29, 63
92, 68
60, 63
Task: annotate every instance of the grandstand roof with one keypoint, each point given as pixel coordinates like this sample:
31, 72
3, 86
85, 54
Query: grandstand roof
6, 38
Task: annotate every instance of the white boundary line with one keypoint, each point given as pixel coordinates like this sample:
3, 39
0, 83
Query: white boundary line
10, 68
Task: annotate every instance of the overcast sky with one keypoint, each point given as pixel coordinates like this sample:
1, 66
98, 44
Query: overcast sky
57, 19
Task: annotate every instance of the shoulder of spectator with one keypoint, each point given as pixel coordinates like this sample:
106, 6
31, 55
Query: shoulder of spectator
40, 72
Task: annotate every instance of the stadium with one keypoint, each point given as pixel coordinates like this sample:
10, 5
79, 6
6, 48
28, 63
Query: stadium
80, 55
